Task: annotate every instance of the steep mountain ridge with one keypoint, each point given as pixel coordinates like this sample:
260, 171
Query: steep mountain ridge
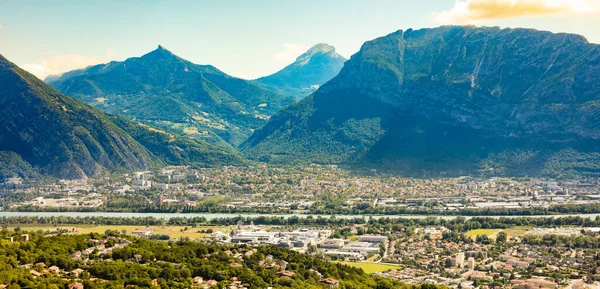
451, 100
66, 138
60, 135
310, 70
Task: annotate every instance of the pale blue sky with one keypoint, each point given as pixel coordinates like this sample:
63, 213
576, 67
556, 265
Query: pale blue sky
243, 38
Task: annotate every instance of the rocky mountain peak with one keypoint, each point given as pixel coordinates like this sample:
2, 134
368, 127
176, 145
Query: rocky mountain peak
159, 52
321, 48
313, 68
318, 49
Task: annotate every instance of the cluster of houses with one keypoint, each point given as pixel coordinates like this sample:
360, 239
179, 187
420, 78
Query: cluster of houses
40, 269
101, 248
469, 265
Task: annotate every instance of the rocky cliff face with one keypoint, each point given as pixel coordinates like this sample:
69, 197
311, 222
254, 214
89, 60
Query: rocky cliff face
452, 99
312, 69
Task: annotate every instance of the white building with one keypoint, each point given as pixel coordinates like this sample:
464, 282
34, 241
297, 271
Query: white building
373, 239
471, 263
254, 237
361, 248
331, 244
142, 232
349, 255
142, 184
460, 259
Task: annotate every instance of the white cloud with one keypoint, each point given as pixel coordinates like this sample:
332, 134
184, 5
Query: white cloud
242, 75
290, 51
477, 11
59, 64
110, 53
36, 69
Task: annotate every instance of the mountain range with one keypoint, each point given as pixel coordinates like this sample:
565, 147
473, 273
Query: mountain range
185, 112
447, 101
312, 69
452, 100
44, 131
174, 94
169, 92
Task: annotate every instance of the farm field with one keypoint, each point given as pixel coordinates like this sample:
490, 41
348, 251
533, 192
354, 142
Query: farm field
517, 231
174, 232
488, 232
371, 267
491, 233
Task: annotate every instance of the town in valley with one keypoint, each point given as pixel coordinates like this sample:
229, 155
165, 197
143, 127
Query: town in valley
312, 189
292, 208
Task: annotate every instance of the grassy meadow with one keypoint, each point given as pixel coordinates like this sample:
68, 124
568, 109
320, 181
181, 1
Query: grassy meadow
175, 232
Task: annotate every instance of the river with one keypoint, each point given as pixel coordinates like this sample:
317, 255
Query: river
210, 216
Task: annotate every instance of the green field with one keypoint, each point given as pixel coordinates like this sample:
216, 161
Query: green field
174, 232
511, 232
488, 232
216, 199
517, 231
371, 267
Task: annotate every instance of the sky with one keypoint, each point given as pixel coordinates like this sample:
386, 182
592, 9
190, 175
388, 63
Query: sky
249, 38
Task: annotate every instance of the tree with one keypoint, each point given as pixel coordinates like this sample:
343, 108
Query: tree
483, 239
502, 237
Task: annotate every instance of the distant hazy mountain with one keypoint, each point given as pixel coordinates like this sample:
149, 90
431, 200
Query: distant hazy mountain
172, 93
451, 100
312, 69
42, 130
